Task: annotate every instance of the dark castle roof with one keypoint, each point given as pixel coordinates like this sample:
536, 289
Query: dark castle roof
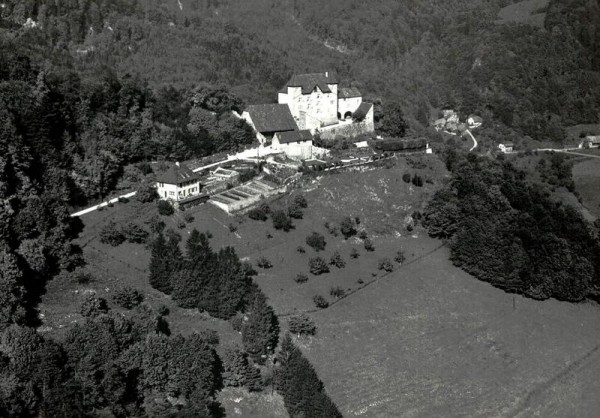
272, 117
348, 92
308, 82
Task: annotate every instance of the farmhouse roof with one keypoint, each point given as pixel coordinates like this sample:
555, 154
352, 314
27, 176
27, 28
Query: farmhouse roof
177, 174
348, 92
308, 82
272, 118
362, 110
593, 138
476, 118
294, 136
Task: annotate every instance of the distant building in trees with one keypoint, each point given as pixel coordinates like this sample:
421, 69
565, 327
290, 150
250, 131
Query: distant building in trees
507, 147
591, 141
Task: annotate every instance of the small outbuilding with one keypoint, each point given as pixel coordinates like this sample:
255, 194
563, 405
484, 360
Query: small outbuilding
295, 144
506, 147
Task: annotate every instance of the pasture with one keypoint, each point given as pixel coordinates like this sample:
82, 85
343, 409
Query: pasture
530, 12
586, 174
426, 339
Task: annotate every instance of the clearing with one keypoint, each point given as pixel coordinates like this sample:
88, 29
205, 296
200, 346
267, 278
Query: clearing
530, 12
586, 175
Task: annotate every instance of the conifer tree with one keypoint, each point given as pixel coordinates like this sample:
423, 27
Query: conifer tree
165, 256
260, 331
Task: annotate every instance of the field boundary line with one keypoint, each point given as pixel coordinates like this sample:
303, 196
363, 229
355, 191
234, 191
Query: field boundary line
375, 280
542, 387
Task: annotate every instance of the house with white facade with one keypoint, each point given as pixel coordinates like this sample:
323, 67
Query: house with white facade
505, 148
591, 141
296, 144
178, 183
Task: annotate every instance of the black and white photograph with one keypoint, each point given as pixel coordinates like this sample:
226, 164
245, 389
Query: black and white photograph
299, 208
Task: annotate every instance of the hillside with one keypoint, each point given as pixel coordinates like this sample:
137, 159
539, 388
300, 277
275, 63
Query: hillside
426, 54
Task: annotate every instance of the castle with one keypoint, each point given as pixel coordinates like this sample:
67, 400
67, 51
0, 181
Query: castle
313, 102
316, 101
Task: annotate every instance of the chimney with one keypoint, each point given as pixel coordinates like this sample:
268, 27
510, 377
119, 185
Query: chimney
177, 163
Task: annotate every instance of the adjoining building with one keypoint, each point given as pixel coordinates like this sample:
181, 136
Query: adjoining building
178, 183
295, 144
269, 119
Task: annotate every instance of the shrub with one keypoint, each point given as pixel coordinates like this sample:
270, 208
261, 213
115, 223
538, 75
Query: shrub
300, 249
386, 264
281, 220
163, 310
357, 220
128, 298
165, 208
347, 227
318, 266
301, 278
362, 235
302, 325
300, 200
295, 211
232, 227
181, 224
337, 260
264, 263
93, 306
188, 218
265, 208
332, 229
399, 258
316, 241
269, 235
369, 245
172, 235
406, 177
111, 235
134, 233
146, 193
237, 322
337, 292
156, 224
320, 302
360, 281
417, 180
257, 214
354, 253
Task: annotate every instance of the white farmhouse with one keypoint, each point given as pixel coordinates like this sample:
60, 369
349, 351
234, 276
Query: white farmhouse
295, 144
178, 183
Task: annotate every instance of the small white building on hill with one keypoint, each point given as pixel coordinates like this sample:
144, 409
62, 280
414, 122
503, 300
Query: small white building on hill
178, 183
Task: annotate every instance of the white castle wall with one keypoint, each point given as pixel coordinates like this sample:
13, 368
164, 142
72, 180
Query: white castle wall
348, 105
313, 110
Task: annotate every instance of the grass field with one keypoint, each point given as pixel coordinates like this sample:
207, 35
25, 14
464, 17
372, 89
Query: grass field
586, 174
531, 12
424, 340
430, 340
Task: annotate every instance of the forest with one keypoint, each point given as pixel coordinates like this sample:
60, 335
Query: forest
508, 231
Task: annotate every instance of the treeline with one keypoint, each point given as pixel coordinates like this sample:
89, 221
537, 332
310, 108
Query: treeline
220, 284
507, 231
110, 364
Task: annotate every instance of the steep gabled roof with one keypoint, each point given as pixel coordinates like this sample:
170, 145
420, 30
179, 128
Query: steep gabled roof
348, 92
362, 111
272, 118
308, 82
294, 136
177, 174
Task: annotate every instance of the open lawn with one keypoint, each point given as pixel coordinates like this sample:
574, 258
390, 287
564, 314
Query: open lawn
531, 12
430, 340
424, 340
586, 174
